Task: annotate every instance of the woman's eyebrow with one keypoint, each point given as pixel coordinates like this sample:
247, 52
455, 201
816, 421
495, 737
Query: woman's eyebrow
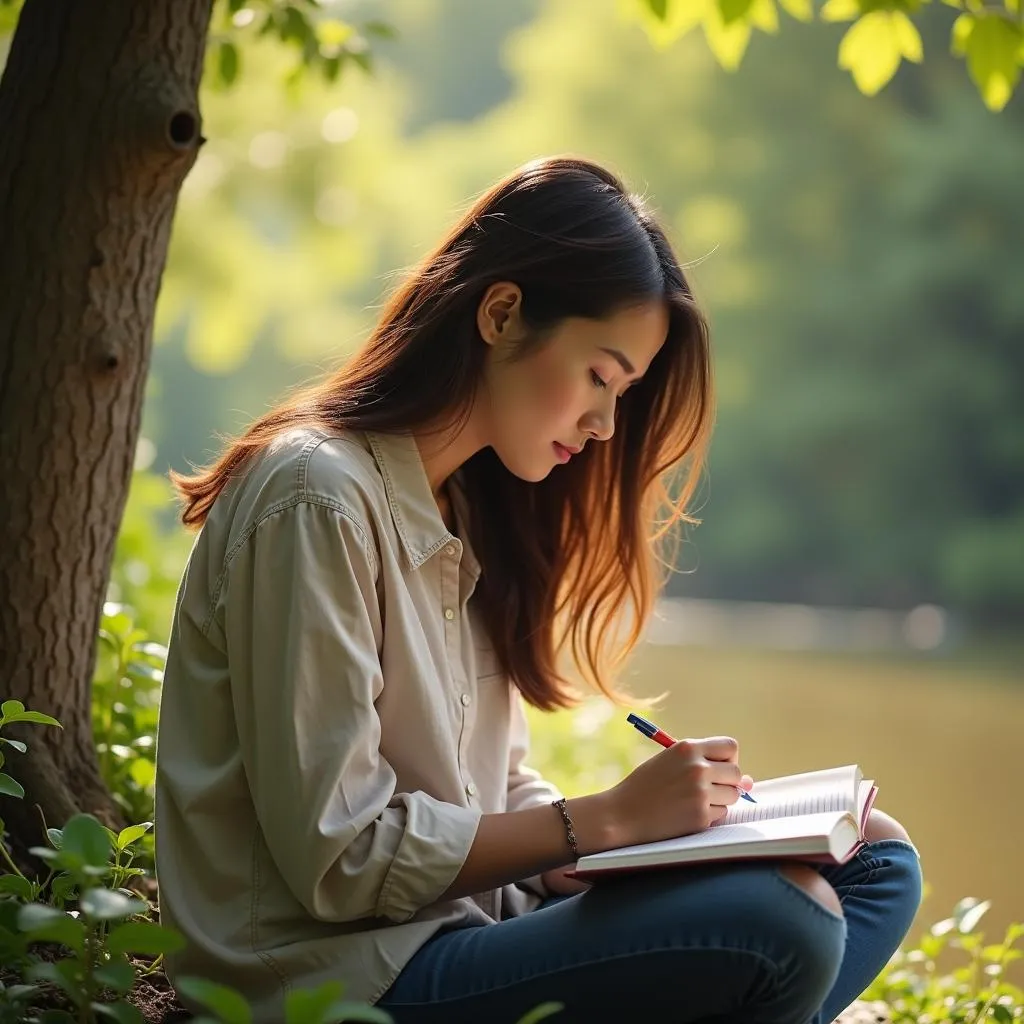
620, 358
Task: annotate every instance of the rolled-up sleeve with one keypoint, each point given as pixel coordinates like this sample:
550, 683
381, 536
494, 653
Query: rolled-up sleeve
303, 628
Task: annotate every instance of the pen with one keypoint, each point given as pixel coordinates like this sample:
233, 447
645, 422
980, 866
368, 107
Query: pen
650, 730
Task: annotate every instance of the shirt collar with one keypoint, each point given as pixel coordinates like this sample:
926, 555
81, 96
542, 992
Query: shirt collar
413, 508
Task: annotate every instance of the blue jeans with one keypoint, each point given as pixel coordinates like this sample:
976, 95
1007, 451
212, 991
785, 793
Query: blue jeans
727, 943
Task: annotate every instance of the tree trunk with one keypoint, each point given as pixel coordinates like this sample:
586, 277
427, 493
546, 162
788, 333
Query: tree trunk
99, 124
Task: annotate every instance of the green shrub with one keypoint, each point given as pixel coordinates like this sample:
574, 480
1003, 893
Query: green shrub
125, 706
916, 992
88, 868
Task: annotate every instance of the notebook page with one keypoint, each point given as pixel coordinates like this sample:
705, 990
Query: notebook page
832, 789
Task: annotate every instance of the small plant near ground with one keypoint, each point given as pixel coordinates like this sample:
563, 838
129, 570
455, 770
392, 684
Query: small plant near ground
976, 992
81, 913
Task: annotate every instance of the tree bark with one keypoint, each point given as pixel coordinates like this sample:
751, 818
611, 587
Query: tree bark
99, 124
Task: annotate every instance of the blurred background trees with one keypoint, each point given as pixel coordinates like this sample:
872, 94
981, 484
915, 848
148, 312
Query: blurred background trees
857, 258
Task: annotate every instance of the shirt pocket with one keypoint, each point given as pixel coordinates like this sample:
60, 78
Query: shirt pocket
487, 665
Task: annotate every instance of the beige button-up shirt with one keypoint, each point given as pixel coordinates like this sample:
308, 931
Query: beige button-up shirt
333, 724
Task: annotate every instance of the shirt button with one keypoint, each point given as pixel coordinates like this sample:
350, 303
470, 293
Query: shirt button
449, 614
450, 550
465, 698
471, 789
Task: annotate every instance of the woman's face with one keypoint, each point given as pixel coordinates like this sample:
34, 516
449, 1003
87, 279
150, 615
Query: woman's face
538, 410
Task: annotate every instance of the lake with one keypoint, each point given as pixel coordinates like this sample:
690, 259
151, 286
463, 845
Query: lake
944, 740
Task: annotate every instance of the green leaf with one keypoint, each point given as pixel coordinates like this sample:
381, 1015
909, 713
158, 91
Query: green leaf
57, 1017
122, 1012
908, 37
961, 33
324, 1005
19, 991
144, 937
37, 915
968, 915
128, 835
224, 1001
107, 905
17, 744
227, 62
10, 787
727, 42
111, 640
294, 26
153, 650
85, 836
734, 10
539, 1013
44, 853
15, 885
117, 975
63, 887
34, 716
143, 772
993, 58
11, 707
310, 1006
799, 9
332, 67
47, 924
332, 34
873, 47
840, 10
765, 16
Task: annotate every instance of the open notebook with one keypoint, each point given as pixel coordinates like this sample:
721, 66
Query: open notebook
816, 816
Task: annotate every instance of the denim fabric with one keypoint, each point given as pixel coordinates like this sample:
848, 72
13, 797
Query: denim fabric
727, 943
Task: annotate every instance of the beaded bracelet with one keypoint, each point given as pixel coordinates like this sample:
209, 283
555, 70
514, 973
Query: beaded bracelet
570, 834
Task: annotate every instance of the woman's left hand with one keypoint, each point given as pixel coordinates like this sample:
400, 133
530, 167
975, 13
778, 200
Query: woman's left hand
558, 884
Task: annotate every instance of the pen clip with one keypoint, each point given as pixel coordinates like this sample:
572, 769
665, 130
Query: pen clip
647, 728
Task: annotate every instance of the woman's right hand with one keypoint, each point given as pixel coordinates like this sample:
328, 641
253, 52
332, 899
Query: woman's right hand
683, 789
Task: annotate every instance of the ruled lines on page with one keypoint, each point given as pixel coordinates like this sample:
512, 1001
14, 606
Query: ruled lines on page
809, 793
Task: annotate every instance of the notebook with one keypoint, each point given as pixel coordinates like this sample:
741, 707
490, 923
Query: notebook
815, 816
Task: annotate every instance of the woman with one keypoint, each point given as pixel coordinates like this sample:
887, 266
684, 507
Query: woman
389, 564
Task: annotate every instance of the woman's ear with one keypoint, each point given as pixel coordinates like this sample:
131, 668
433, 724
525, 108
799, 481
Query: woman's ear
497, 316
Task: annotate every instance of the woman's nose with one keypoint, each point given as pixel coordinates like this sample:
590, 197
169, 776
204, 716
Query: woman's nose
600, 423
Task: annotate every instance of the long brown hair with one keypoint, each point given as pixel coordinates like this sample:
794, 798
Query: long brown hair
571, 565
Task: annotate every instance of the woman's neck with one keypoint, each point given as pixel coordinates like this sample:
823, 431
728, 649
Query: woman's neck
442, 453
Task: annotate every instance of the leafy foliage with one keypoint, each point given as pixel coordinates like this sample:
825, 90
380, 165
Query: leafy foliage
882, 35
915, 991
88, 868
125, 707
322, 43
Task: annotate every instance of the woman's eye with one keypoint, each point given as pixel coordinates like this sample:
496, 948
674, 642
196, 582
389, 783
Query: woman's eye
598, 381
